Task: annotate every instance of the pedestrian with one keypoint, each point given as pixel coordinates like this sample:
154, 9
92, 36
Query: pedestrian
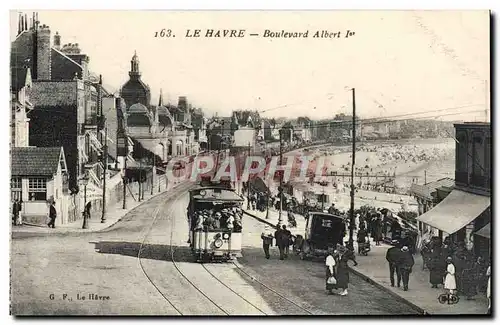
470, 280
331, 276
281, 241
449, 280
267, 241
52, 215
16, 208
361, 238
87, 209
488, 289
392, 257
377, 229
342, 274
288, 240
437, 267
406, 263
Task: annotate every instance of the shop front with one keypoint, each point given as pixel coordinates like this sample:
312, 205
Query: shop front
459, 216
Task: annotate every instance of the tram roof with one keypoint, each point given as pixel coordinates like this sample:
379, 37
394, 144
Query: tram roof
325, 215
214, 194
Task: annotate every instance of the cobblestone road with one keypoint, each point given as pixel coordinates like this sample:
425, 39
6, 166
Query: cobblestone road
52, 273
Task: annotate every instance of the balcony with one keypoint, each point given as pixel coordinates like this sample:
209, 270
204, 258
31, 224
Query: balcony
94, 122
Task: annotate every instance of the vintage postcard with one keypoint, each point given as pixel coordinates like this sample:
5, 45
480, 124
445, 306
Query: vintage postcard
250, 163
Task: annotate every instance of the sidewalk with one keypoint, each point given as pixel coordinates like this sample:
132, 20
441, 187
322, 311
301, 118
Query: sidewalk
114, 214
374, 269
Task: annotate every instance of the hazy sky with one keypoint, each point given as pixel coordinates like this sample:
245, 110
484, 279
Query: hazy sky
399, 62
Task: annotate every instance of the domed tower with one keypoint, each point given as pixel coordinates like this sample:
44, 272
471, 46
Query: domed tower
135, 90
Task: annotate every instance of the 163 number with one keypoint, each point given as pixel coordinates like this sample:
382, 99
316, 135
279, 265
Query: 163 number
164, 33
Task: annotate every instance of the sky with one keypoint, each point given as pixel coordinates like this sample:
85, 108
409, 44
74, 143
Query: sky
399, 62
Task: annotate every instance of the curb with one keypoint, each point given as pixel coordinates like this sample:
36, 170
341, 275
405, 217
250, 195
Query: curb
387, 290
259, 219
361, 275
64, 230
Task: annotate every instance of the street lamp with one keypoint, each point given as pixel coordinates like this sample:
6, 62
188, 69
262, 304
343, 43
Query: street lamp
280, 216
84, 181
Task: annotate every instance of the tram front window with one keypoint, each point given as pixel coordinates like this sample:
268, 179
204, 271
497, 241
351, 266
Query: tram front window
212, 218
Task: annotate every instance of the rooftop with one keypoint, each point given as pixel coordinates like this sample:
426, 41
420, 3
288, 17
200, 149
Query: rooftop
425, 190
35, 161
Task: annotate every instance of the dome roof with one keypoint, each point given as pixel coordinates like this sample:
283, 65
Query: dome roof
137, 108
162, 110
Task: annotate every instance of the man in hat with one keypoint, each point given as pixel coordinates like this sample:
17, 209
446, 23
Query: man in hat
267, 240
281, 240
288, 240
52, 215
393, 256
406, 263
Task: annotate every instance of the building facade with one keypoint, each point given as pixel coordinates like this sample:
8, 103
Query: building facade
38, 176
465, 211
20, 88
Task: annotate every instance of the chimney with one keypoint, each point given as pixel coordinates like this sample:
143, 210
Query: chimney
25, 21
43, 64
22, 23
19, 24
57, 41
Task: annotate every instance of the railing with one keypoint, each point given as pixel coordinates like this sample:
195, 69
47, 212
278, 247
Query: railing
94, 121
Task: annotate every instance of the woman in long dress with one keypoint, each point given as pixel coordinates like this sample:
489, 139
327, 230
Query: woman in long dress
488, 289
330, 270
343, 274
437, 267
449, 281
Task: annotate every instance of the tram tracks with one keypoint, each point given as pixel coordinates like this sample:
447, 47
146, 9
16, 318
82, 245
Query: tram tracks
232, 306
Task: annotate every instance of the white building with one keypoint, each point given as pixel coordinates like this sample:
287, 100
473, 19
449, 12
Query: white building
38, 176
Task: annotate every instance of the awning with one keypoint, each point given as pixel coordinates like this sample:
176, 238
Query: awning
456, 211
485, 231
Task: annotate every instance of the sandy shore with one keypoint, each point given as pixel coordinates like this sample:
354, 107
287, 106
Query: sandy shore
410, 161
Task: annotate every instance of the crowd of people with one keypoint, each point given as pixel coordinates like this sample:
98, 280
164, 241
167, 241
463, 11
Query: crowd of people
454, 267
283, 238
217, 218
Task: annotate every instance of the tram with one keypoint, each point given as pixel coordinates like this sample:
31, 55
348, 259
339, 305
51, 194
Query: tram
215, 223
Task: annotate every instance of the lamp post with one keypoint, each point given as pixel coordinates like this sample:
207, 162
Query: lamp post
353, 163
280, 218
84, 181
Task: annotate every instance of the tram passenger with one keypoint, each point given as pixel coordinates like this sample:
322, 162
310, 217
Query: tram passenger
200, 221
209, 221
217, 220
230, 222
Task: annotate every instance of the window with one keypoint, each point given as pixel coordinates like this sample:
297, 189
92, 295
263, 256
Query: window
487, 156
37, 189
16, 188
15, 183
477, 154
461, 151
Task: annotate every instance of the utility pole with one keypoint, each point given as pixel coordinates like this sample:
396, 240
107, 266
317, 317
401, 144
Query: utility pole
125, 181
280, 218
425, 177
140, 179
153, 173
248, 182
105, 161
351, 219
